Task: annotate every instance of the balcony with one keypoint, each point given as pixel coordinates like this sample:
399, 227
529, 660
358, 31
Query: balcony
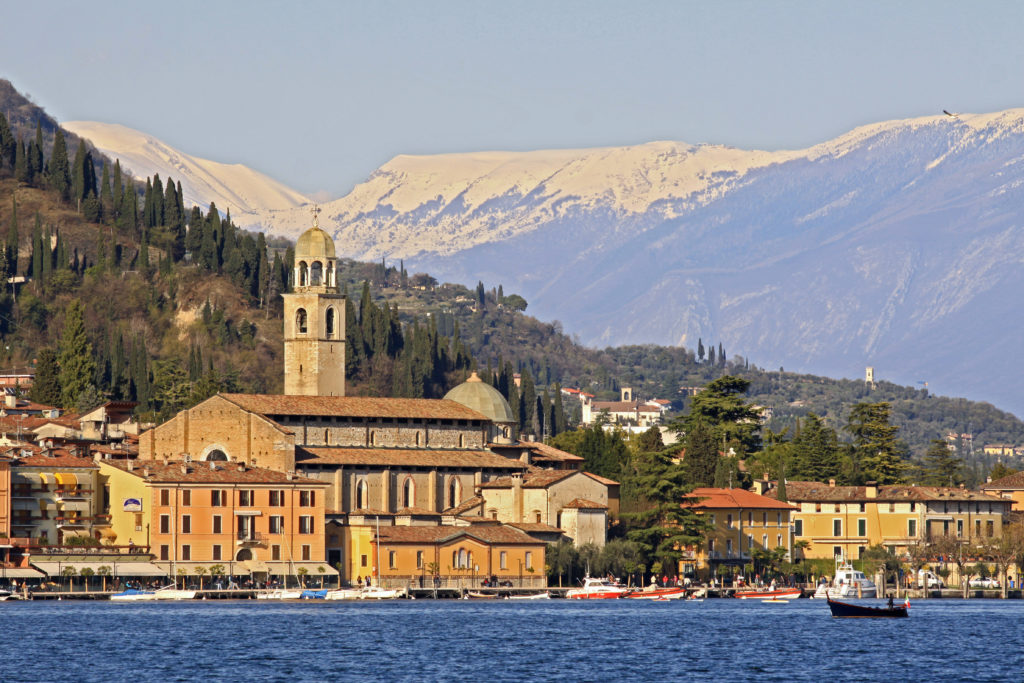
101, 520
250, 538
70, 522
72, 494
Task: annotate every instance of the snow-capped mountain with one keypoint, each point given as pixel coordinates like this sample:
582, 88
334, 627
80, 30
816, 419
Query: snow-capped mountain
898, 245
252, 197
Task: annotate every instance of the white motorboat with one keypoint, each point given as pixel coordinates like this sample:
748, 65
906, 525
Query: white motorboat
596, 589
847, 583
531, 596
280, 594
344, 593
8, 595
133, 595
378, 593
174, 593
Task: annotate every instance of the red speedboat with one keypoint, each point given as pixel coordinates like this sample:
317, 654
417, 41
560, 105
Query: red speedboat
596, 589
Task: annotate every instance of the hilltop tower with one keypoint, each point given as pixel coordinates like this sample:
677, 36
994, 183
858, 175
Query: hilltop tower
314, 319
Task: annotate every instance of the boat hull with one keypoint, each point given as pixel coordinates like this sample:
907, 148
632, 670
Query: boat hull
659, 594
780, 594
848, 610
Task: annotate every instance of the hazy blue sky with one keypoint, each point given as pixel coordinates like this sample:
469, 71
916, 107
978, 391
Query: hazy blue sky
318, 94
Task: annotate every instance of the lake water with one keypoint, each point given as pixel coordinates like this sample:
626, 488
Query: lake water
603, 640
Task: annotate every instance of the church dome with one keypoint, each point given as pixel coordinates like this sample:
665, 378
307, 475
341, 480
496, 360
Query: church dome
314, 243
482, 397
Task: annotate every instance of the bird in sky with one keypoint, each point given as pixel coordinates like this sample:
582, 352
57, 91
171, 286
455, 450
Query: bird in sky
950, 114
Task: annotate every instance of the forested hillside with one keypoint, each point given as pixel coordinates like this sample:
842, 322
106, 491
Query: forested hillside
119, 290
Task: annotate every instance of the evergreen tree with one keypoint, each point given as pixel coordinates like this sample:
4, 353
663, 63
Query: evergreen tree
79, 180
941, 467
75, 356
529, 394
720, 407
46, 385
701, 459
877, 452
35, 156
117, 191
106, 195
8, 145
815, 452
60, 174
11, 248
21, 171
558, 425
700, 349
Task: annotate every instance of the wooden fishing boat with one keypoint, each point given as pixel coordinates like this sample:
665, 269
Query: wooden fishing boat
769, 593
658, 594
850, 610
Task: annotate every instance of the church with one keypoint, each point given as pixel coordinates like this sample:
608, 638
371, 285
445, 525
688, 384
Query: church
454, 462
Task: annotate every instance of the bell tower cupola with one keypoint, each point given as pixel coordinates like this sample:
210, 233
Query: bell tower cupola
314, 319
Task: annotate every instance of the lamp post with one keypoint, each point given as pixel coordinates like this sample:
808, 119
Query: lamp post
520, 561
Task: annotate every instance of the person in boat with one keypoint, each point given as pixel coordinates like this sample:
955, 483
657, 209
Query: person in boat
890, 601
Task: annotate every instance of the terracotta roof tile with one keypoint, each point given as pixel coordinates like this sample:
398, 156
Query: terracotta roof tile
535, 479
604, 480
710, 498
813, 491
202, 473
1008, 483
466, 505
416, 512
546, 452
419, 457
355, 406
492, 534
55, 462
584, 504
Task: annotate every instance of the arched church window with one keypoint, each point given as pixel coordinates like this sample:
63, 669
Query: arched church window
300, 321
316, 273
303, 274
329, 276
216, 455
454, 492
409, 493
361, 495
329, 325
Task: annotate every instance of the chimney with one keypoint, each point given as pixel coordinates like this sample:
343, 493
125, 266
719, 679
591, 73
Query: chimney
131, 465
832, 483
184, 468
871, 489
145, 472
10, 401
241, 467
290, 475
761, 485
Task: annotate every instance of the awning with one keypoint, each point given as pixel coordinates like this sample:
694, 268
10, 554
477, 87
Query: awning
76, 533
66, 480
42, 477
256, 566
77, 505
55, 569
19, 573
107, 532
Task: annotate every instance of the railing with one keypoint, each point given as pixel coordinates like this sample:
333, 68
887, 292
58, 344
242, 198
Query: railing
461, 582
251, 537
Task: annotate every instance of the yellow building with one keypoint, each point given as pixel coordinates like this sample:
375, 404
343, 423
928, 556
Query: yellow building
188, 515
53, 495
845, 520
741, 522
1010, 488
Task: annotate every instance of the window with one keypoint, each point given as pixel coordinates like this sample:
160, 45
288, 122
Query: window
409, 493
862, 527
186, 552
165, 497
138, 521
798, 527
307, 499
316, 273
750, 519
712, 517
536, 516
912, 528
503, 560
165, 552
329, 324
764, 541
913, 507
778, 519
764, 519
361, 494
959, 528
990, 528
863, 507
277, 499
217, 528
307, 552
216, 553
728, 521
300, 321
218, 498
778, 541
186, 497
454, 492
529, 560
275, 553
392, 559
837, 507
306, 524
750, 542
977, 528
837, 550
817, 507
728, 546
276, 524
186, 524
246, 498
419, 559
837, 527
711, 545
165, 524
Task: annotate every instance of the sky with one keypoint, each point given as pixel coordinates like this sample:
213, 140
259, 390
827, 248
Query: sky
319, 94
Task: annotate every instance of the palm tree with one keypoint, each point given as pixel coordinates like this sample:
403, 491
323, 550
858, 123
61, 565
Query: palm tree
86, 573
302, 571
200, 572
70, 573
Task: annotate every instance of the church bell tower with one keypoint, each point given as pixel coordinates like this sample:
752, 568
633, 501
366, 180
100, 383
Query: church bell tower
314, 319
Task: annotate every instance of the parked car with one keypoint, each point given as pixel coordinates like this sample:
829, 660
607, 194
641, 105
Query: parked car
987, 582
929, 579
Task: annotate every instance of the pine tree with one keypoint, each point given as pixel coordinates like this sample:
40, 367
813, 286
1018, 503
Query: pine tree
46, 385
8, 145
877, 452
75, 356
60, 174
37, 252
941, 467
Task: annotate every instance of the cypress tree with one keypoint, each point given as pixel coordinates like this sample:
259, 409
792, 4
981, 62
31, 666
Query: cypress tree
106, 196
117, 191
78, 175
157, 205
194, 234
8, 145
46, 385
60, 175
75, 356
557, 425
11, 249
21, 173
37, 252
529, 396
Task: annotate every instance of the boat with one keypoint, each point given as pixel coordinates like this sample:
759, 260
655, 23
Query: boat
600, 589
776, 600
280, 594
133, 595
8, 595
658, 594
313, 594
344, 593
850, 610
474, 595
780, 593
378, 593
847, 583
530, 596
174, 593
